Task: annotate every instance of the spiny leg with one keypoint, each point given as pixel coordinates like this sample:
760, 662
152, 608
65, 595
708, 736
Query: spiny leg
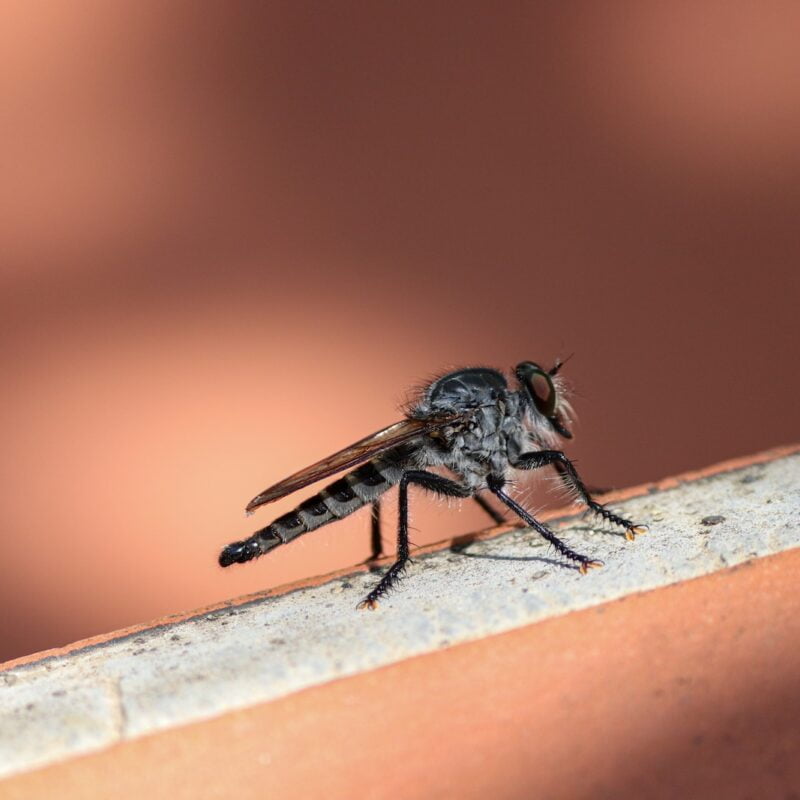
496, 485
496, 516
376, 542
433, 483
592, 490
566, 468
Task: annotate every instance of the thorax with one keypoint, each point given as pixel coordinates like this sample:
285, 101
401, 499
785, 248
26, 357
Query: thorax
489, 433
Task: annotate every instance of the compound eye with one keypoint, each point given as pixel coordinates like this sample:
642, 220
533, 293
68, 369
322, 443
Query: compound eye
539, 384
544, 393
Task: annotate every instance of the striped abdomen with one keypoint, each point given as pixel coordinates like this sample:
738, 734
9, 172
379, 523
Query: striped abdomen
344, 496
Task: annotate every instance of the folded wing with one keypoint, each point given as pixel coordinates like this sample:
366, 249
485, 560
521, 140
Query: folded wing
362, 450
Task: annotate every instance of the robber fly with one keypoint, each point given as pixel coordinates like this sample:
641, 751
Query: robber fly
469, 422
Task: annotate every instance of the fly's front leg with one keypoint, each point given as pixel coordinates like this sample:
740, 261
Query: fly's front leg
543, 458
562, 471
433, 483
496, 485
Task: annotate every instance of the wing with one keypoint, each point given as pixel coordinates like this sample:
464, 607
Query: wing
357, 453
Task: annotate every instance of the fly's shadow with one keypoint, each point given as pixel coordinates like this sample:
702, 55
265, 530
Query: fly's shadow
460, 544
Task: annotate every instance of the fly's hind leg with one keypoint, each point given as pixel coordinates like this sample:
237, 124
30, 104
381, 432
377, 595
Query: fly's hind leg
585, 563
496, 516
375, 539
433, 483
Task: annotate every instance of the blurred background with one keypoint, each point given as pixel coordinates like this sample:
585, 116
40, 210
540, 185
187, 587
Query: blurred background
233, 235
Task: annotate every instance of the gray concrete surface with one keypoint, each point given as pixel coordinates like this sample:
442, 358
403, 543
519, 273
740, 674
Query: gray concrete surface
170, 675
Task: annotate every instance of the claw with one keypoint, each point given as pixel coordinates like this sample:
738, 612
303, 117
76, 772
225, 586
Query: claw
634, 531
587, 565
368, 604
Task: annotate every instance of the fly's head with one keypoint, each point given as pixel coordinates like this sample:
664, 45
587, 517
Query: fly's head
543, 393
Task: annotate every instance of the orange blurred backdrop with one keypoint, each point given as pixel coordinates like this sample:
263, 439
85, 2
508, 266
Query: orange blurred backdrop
232, 236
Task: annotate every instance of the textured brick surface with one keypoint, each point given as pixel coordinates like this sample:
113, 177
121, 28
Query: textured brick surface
266, 648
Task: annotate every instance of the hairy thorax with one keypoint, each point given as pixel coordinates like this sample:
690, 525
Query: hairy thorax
490, 437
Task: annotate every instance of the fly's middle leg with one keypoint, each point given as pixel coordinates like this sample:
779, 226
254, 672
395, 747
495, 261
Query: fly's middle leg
433, 483
585, 563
